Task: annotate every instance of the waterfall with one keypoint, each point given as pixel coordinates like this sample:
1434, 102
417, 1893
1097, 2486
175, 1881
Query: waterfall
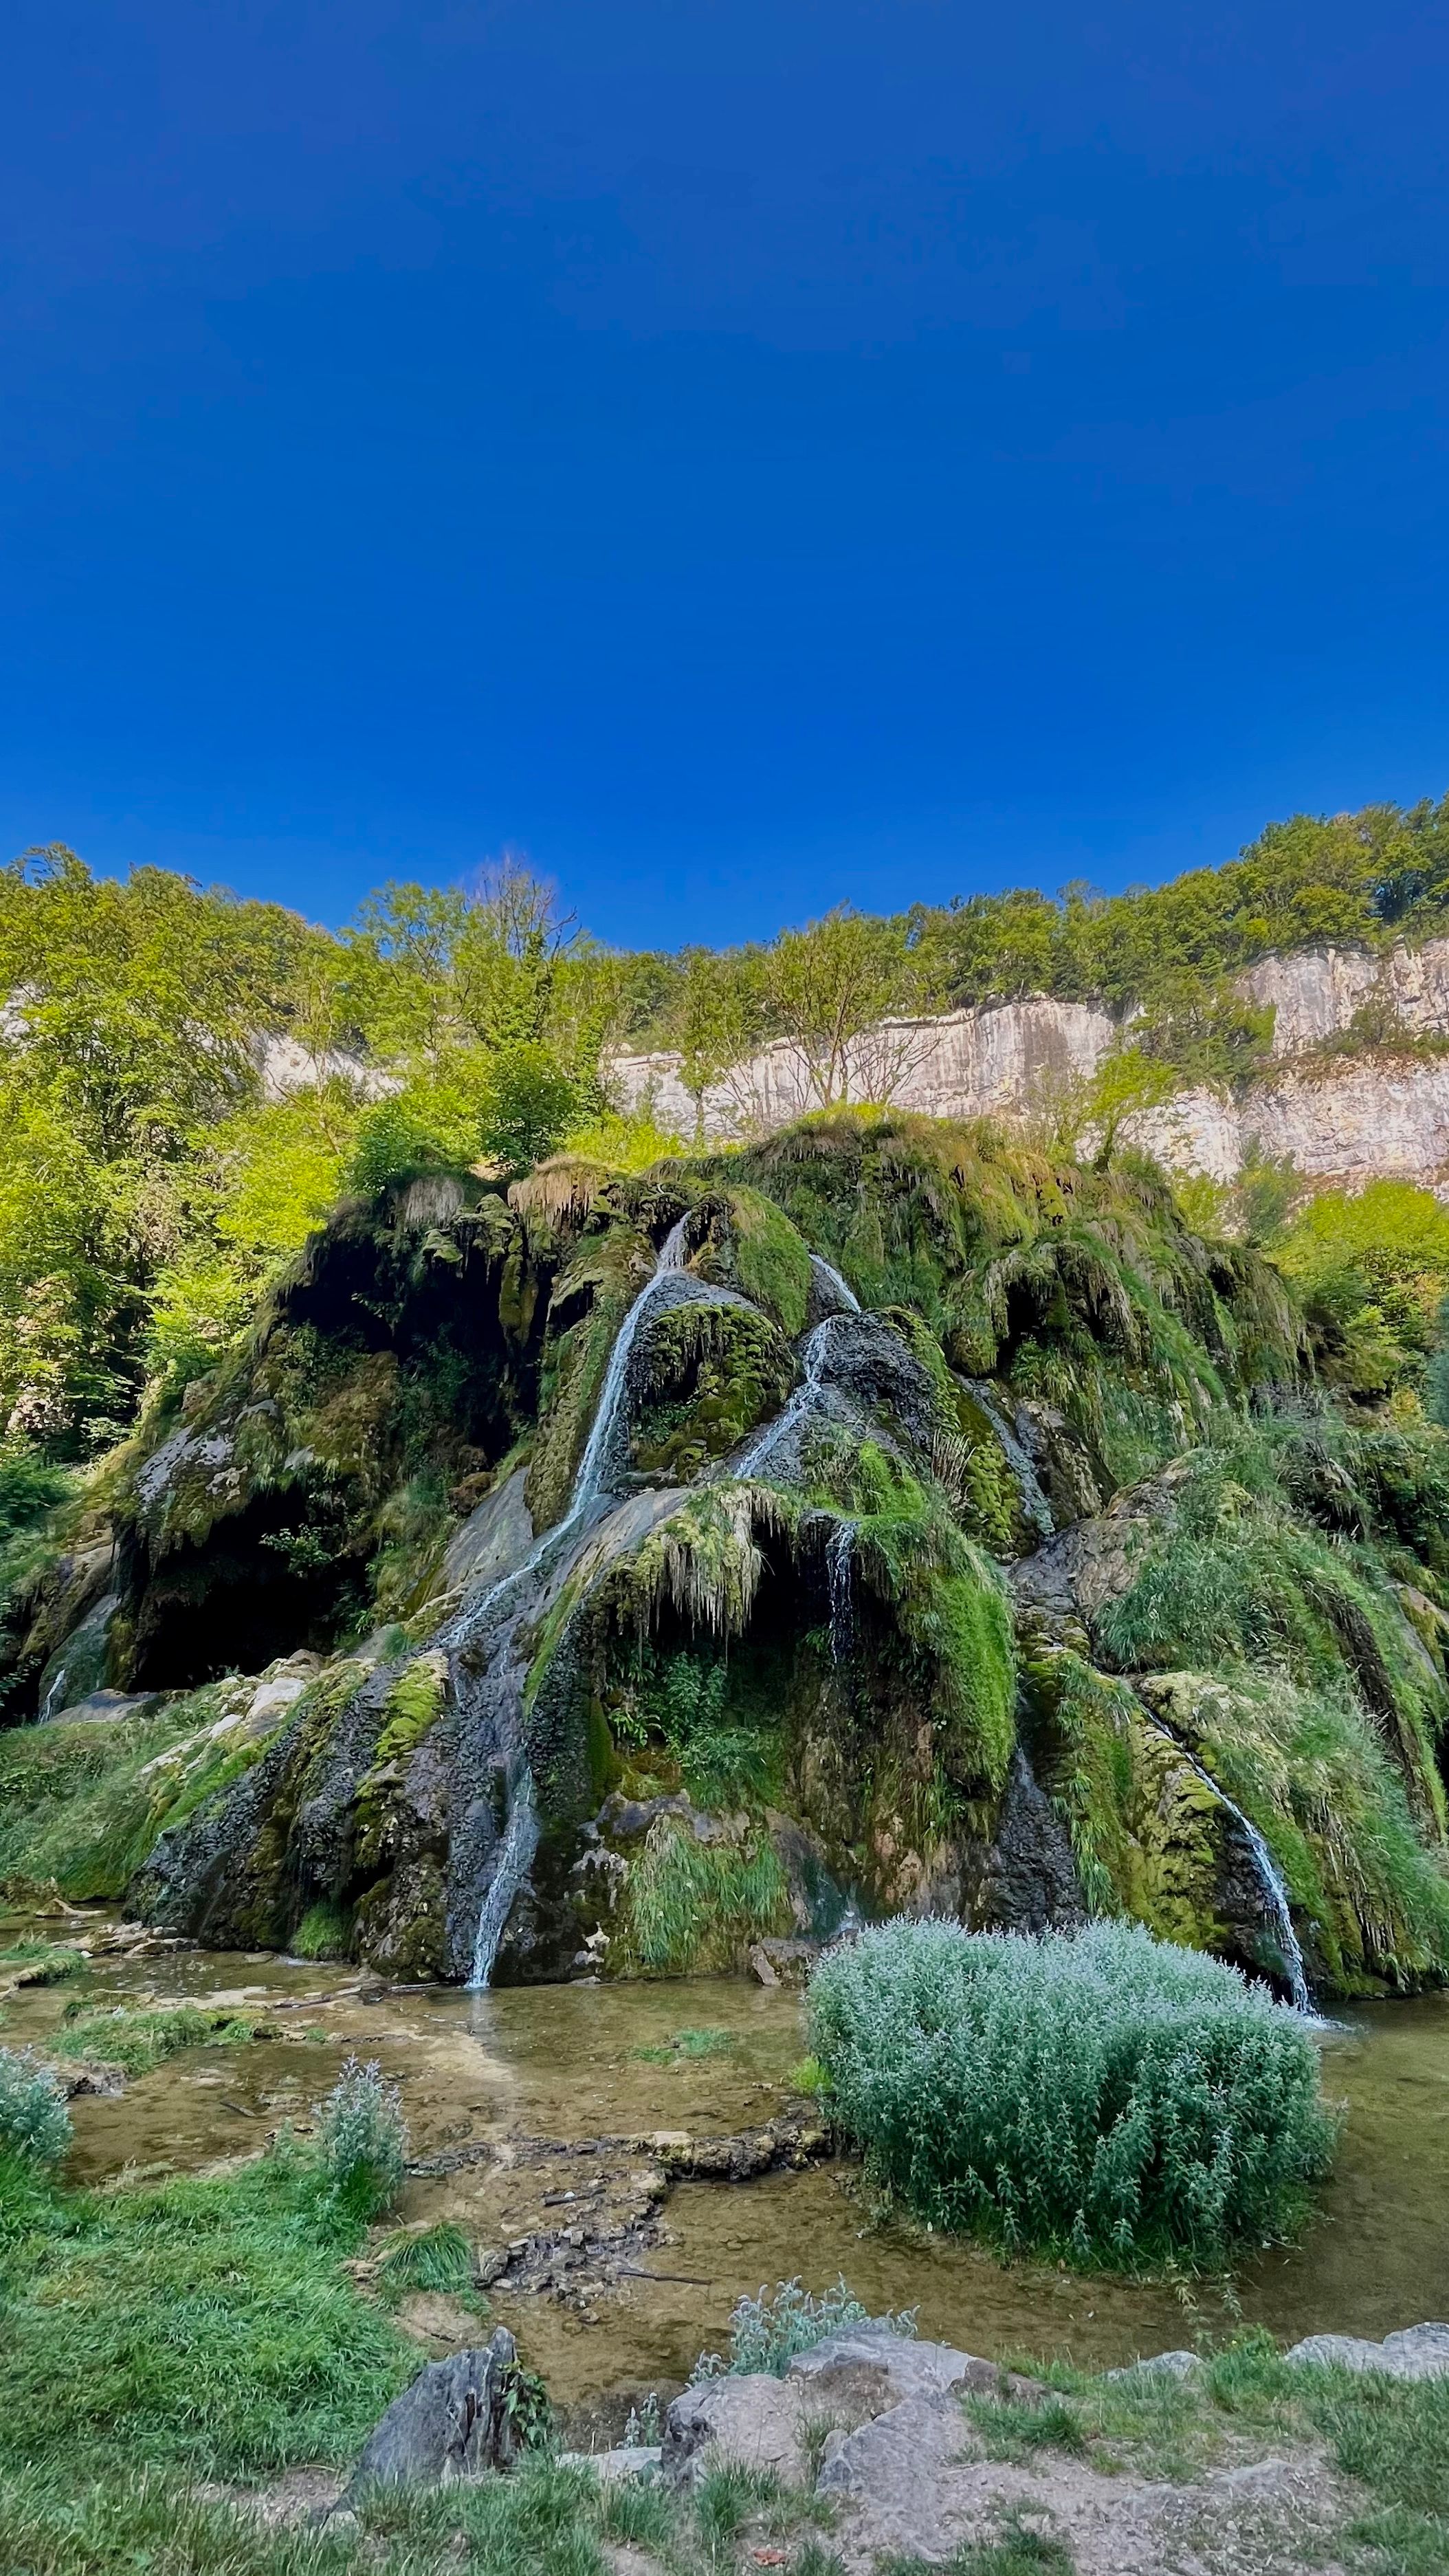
515, 1851
1270, 1877
598, 1464
838, 1552
841, 1286
598, 1468
1033, 1501
774, 1432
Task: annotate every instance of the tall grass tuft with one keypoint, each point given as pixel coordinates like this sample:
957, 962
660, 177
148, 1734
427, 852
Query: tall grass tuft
1100, 2095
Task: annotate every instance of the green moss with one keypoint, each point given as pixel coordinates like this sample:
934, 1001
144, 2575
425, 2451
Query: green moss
1145, 1830
410, 1711
949, 1605
413, 1706
325, 1932
1310, 1771
771, 1261
608, 1271
139, 2041
1236, 1582
692, 1907
85, 1804
711, 1374
400, 1923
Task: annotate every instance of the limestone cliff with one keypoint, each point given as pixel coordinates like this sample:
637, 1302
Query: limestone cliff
1356, 1089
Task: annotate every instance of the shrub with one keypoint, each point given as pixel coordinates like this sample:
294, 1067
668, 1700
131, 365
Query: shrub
362, 2139
1099, 2094
34, 2121
766, 2332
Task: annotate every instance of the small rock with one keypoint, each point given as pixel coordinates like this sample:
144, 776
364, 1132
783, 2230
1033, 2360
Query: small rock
1161, 2365
626, 2460
866, 2369
760, 1968
90, 2075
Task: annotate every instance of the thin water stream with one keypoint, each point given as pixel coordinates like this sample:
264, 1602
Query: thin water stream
487, 2076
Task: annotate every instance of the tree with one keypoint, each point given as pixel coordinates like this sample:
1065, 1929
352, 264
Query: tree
529, 1106
830, 984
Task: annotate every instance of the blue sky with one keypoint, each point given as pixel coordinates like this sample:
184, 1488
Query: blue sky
745, 456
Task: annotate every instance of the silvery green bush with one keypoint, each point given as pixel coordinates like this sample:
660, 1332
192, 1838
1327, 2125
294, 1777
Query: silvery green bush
362, 2139
34, 2121
767, 2332
1099, 2094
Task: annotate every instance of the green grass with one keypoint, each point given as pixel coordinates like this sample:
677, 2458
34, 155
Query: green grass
325, 1932
138, 2041
45, 1963
429, 2258
692, 1907
203, 2325
81, 1806
1018, 2551
685, 2046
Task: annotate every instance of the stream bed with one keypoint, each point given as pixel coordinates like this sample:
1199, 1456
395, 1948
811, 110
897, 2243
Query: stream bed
537, 2109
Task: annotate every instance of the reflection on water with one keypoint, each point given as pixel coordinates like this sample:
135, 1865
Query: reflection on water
563, 2062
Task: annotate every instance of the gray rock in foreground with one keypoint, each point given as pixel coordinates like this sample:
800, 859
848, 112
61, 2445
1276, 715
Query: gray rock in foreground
453, 2422
1417, 2352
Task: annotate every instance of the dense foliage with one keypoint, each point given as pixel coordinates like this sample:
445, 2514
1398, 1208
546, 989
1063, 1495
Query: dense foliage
187, 1081
1103, 2095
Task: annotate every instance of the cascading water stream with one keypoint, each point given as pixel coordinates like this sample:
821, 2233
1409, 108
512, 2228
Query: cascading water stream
1270, 1877
839, 1550
592, 1485
515, 1853
816, 1350
842, 1287
1034, 1503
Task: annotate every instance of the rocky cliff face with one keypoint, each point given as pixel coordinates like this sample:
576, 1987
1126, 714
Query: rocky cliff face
887, 1517
1356, 1093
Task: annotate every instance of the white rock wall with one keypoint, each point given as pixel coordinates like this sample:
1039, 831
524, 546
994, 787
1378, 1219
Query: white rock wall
1349, 1119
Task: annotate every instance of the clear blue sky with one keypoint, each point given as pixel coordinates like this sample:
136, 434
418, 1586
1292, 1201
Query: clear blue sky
744, 453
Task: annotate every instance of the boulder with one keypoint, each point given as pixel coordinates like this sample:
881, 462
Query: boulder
752, 2422
1416, 2352
453, 2422
868, 2368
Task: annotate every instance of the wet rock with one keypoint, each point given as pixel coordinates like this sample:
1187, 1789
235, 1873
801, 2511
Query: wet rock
453, 2422
102, 1705
783, 1963
1416, 2352
1027, 1878
90, 2075
1077, 1574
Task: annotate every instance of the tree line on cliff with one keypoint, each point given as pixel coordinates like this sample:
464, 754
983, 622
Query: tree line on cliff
161, 1159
